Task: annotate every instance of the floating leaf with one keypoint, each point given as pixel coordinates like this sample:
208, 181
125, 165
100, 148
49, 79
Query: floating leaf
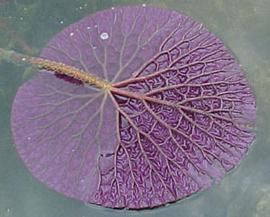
178, 114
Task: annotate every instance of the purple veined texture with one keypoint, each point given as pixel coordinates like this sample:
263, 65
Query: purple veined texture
179, 116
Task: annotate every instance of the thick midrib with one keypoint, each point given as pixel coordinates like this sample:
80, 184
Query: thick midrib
62, 69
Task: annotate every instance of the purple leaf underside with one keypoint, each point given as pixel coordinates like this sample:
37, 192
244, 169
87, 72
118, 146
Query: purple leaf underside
180, 114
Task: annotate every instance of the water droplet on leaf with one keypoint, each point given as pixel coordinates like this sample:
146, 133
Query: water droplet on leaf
104, 35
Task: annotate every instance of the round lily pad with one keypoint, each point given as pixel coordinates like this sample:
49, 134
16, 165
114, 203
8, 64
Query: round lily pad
178, 116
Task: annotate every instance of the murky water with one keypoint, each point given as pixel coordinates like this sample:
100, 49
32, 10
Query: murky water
243, 25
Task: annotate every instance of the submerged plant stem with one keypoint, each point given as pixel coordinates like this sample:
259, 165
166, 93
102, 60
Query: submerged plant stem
15, 37
57, 68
